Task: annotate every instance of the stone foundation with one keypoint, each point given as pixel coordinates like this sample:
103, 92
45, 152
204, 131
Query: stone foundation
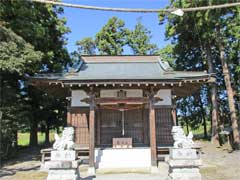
63, 174
184, 164
63, 165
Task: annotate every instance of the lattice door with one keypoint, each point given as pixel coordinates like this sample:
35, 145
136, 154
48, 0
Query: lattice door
164, 125
110, 126
134, 125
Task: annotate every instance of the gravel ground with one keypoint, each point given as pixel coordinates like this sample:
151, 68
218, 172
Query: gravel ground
218, 164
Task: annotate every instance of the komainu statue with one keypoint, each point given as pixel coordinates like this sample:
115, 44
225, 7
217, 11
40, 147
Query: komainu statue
66, 141
180, 139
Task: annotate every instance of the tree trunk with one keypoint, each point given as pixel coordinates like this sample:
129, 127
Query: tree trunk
231, 103
47, 134
33, 133
187, 126
204, 118
213, 90
205, 127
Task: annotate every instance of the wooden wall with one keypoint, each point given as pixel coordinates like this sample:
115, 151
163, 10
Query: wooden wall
78, 118
108, 125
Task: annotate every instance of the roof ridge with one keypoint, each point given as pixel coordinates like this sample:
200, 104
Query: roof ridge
118, 55
123, 58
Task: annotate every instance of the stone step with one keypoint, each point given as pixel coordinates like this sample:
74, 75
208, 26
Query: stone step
123, 158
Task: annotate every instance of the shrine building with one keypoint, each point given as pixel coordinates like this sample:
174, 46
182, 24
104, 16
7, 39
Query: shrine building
122, 107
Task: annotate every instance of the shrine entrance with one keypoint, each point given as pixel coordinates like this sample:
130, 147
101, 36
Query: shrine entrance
122, 123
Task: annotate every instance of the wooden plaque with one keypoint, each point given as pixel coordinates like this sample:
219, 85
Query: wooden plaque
120, 143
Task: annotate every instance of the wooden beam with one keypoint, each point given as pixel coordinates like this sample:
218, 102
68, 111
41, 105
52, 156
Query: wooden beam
152, 126
122, 100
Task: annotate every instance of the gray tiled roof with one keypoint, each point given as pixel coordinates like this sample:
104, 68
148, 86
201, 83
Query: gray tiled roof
123, 68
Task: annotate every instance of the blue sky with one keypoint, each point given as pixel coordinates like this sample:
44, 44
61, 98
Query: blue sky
86, 23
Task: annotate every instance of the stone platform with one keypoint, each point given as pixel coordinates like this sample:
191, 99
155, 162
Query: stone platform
63, 165
184, 164
123, 158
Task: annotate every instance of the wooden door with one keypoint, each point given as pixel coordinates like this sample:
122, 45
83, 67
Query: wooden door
134, 126
164, 125
79, 120
110, 126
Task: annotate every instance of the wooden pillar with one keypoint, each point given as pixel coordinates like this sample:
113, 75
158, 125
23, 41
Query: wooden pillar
98, 127
92, 133
152, 126
173, 110
69, 117
145, 117
174, 116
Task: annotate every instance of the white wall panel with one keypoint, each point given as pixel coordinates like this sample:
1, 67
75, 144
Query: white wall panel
77, 96
113, 92
166, 95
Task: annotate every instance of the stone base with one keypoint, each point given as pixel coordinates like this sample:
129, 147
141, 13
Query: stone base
91, 171
154, 170
65, 155
62, 170
59, 165
184, 164
184, 153
63, 174
185, 174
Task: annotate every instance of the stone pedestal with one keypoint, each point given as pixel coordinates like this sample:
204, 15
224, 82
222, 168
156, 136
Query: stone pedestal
91, 171
63, 165
64, 155
154, 170
184, 164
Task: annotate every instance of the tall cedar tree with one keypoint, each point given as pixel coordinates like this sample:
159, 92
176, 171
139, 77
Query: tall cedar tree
205, 34
86, 46
111, 39
16, 57
39, 25
139, 40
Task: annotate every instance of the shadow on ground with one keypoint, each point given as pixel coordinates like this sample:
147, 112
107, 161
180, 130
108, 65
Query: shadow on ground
13, 171
26, 159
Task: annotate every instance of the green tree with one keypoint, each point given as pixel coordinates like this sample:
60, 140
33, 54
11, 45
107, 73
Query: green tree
202, 40
86, 46
139, 40
111, 38
167, 54
40, 26
16, 57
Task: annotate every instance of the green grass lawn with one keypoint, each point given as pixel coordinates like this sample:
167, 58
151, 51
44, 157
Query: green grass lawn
23, 138
199, 131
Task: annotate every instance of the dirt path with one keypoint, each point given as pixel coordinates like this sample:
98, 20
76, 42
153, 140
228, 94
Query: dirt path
218, 164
